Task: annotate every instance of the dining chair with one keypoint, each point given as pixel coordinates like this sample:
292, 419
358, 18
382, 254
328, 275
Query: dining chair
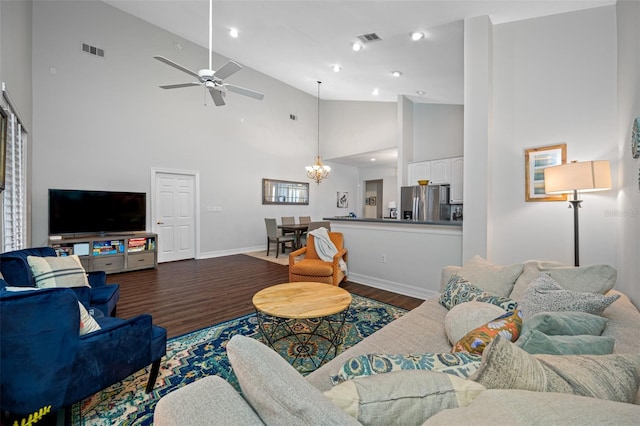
321, 224
274, 236
288, 220
304, 219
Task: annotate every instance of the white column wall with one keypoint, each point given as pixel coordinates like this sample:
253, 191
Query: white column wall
628, 210
554, 81
477, 137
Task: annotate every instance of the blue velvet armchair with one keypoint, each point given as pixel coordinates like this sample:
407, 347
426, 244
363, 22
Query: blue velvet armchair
45, 362
16, 271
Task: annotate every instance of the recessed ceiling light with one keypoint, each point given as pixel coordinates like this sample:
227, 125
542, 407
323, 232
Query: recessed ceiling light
418, 35
357, 47
396, 73
375, 92
233, 32
373, 159
420, 92
336, 68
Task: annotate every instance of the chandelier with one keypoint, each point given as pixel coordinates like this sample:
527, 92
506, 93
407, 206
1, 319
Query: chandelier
318, 171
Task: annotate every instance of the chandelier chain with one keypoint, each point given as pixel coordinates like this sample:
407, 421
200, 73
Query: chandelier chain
318, 171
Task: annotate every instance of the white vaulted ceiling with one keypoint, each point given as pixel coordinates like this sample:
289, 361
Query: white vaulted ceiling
298, 41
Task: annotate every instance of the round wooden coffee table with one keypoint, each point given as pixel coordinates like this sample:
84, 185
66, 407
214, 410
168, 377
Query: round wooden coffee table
307, 317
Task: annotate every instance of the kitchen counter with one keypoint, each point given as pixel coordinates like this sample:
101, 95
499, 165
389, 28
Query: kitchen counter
394, 221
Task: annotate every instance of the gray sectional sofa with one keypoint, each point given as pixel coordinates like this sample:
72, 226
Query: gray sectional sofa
274, 393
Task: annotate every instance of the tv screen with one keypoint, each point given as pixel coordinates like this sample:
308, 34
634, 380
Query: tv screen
99, 212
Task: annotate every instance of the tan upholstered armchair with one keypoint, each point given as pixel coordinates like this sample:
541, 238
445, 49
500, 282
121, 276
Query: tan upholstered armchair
312, 268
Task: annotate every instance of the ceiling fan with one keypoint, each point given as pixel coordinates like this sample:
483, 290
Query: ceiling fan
212, 79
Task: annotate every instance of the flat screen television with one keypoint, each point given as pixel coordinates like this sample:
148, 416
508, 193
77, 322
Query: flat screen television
74, 211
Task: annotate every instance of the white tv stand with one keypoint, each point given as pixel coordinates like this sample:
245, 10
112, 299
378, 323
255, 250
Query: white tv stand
111, 253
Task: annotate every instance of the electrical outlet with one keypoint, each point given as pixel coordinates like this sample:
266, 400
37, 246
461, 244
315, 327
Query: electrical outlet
383, 258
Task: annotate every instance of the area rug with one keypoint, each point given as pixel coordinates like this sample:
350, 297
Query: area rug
282, 259
202, 353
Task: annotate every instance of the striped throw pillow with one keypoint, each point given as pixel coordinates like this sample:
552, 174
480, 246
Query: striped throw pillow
50, 272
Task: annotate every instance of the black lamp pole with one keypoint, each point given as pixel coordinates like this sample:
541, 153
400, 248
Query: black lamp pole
576, 245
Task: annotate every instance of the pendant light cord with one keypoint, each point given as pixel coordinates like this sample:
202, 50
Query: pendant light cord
319, 83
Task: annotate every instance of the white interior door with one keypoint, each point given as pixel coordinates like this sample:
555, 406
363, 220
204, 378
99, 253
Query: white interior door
174, 214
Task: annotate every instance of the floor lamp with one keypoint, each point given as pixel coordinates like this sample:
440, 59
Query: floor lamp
577, 177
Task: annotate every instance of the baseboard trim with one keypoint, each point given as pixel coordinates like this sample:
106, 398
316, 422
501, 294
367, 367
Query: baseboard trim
220, 253
391, 286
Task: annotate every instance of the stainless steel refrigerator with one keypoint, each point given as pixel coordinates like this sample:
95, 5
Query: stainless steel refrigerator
422, 203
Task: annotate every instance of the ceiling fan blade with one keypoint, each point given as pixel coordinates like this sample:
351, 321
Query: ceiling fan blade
177, 86
243, 91
216, 95
228, 69
177, 66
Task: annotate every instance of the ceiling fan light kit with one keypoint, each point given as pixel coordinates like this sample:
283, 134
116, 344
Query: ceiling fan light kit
211, 79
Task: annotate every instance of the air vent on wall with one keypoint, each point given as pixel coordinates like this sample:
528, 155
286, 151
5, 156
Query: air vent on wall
92, 50
368, 38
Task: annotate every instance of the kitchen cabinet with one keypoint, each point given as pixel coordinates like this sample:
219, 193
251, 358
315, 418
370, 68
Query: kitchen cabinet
440, 171
418, 171
457, 175
443, 171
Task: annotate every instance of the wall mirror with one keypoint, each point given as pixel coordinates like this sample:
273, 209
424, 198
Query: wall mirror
284, 192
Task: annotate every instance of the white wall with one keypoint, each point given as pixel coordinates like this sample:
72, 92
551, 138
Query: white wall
348, 127
104, 123
15, 53
438, 131
15, 71
626, 181
569, 78
554, 81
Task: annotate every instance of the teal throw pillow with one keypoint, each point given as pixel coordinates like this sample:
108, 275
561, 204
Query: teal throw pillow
459, 290
535, 342
566, 323
459, 364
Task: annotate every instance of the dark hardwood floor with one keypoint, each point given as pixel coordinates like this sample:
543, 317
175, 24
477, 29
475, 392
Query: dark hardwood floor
191, 294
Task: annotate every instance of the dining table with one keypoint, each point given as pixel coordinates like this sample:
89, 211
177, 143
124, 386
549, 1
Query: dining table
298, 229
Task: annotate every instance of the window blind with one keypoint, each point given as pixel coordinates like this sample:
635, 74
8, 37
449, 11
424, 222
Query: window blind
14, 196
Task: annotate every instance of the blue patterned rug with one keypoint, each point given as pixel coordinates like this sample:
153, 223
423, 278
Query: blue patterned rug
202, 353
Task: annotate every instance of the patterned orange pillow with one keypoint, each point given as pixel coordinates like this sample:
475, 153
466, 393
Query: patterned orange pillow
507, 326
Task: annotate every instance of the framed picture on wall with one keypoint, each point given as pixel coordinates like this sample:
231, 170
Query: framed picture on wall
3, 146
372, 201
535, 161
342, 200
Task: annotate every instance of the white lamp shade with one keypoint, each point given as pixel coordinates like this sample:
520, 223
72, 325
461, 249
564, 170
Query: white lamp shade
391, 205
584, 176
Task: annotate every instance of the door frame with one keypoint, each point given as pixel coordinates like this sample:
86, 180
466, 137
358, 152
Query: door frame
196, 201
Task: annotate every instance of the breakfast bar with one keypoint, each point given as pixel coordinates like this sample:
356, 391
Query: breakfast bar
402, 256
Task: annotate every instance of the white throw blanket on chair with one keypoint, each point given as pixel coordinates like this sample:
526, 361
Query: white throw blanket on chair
325, 247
